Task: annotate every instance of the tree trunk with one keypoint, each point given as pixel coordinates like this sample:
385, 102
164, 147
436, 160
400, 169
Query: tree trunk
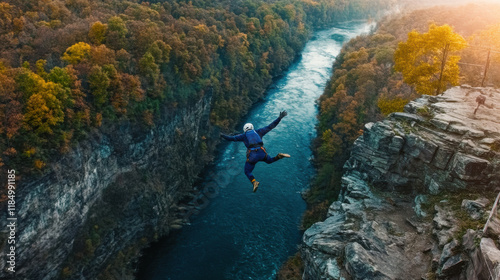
443, 63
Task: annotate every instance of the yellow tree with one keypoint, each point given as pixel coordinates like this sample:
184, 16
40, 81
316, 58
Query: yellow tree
45, 101
427, 61
97, 32
389, 105
488, 38
76, 53
43, 110
485, 42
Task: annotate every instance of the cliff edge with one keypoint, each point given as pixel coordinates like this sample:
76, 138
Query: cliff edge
415, 195
92, 212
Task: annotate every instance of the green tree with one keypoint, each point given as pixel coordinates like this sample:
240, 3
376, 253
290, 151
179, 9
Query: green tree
149, 68
61, 77
117, 30
427, 60
99, 83
160, 51
28, 83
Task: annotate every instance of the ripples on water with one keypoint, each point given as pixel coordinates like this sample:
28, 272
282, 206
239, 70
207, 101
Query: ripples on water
245, 235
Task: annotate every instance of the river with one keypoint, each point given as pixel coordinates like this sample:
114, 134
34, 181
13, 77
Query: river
246, 235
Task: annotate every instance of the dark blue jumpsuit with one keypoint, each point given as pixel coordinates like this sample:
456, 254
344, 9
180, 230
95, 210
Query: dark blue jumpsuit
255, 154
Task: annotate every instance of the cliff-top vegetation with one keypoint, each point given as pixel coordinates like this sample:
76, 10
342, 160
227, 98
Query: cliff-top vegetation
68, 67
368, 83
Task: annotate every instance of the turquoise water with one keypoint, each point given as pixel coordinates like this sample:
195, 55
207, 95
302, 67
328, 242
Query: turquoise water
246, 235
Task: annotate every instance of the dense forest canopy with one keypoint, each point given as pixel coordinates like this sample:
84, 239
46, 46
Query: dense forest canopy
365, 86
70, 66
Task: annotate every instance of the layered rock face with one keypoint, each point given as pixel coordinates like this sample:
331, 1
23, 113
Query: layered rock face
107, 194
395, 217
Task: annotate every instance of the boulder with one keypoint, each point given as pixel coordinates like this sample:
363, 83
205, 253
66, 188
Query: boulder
449, 250
434, 187
458, 129
397, 144
468, 240
420, 148
445, 225
452, 266
475, 208
419, 200
333, 269
442, 157
360, 264
491, 256
325, 237
468, 167
441, 124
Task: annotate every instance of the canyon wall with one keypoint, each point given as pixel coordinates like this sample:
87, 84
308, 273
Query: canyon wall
415, 195
110, 196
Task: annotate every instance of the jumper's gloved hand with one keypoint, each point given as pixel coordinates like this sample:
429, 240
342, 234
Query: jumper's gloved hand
221, 136
283, 114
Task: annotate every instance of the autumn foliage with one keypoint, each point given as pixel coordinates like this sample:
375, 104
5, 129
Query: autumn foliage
366, 84
428, 61
70, 66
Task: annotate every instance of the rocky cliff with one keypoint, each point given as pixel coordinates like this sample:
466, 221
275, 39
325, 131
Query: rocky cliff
415, 195
109, 196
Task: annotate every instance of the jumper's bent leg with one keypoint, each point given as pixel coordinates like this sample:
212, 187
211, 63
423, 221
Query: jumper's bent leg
248, 171
279, 156
270, 159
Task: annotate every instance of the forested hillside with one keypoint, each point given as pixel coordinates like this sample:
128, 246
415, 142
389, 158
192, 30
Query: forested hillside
365, 86
70, 66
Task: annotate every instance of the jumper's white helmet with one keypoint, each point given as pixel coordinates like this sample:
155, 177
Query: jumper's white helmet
247, 127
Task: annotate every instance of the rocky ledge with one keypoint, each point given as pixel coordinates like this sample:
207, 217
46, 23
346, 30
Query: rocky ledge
415, 195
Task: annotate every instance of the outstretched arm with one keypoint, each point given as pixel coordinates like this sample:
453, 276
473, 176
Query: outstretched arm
235, 138
263, 131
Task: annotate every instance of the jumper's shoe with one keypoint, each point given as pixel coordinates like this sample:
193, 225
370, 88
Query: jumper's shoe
281, 155
255, 185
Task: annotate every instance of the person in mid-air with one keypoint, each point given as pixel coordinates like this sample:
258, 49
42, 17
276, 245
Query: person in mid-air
255, 147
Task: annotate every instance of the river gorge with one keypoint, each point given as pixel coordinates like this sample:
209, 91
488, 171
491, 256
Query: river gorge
245, 235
